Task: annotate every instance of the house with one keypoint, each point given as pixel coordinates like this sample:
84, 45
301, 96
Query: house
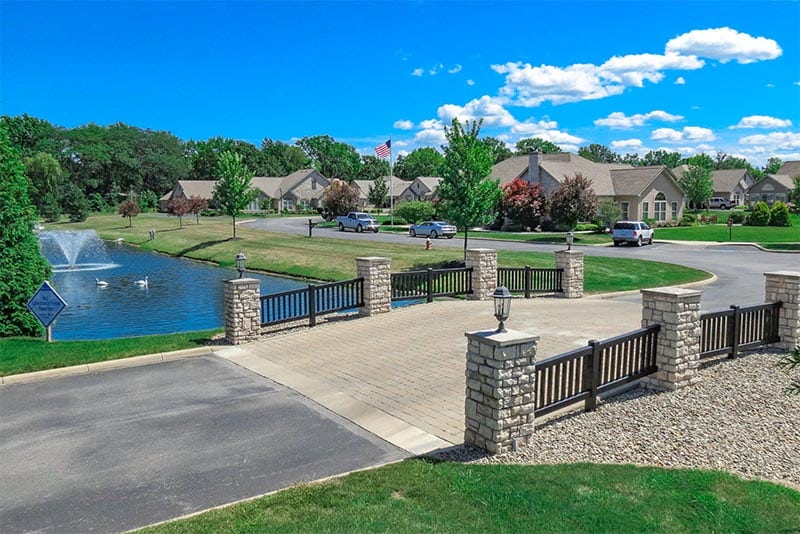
421, 188
773, 188
790, 168
187, 189
730, 184
640, 192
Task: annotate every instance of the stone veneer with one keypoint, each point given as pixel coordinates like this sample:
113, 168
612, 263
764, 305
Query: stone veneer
499, 405
242, 310
377, 275
484, 272
677, 310
784, 286
572, 279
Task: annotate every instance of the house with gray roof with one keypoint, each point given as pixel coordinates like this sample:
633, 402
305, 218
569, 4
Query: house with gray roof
421, 188
640, 192
394, 188
790, 168
772, 188
730, 184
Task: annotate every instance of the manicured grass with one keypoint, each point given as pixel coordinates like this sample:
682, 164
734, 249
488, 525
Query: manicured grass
324, 258
558, 238
417, 496
719, 232
24, 355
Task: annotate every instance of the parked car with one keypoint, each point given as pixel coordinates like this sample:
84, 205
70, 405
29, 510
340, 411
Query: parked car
432, 229
358, 221
720, 203
636, 232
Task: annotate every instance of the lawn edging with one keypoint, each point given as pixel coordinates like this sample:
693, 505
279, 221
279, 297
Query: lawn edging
699, 283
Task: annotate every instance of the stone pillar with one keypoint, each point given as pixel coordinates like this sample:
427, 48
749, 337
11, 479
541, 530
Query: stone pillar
572, 281
784, 286
377, 276
499, 404
677, 310
242, 310
484, 272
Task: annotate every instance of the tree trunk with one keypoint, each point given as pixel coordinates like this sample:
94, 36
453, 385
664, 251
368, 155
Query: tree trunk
180, 221
130, 221
466, 232
234, 226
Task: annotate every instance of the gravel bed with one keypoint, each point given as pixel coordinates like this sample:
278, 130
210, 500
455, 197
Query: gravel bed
737, 419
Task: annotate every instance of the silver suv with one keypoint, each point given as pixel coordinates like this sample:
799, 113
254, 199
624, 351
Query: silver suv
636, 232
720, 203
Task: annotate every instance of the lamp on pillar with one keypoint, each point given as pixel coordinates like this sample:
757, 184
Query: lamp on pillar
502, 306
570, 239
240, 259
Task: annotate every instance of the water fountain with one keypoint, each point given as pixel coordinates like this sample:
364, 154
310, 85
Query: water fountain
72, 246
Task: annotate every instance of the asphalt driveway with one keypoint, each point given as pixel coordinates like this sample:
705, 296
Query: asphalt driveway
122, 449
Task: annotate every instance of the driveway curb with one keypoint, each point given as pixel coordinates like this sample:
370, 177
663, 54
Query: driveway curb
118, 363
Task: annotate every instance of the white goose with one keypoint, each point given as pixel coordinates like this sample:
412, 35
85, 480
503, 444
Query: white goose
101, 283
141, 283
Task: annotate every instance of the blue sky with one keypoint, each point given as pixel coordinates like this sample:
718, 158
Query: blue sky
685, 76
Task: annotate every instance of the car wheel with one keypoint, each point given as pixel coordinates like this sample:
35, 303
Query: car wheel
639, 242
450, 237
434, 235
375, 230
412, 233
616, 243
359, 229
341, 227
650, 241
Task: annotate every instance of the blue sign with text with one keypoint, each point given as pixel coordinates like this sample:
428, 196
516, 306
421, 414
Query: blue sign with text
46, 304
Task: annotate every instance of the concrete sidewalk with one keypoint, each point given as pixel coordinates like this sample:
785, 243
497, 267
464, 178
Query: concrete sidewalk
401, 375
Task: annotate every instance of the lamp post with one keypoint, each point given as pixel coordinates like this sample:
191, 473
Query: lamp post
570, 239
240, 259
502, 306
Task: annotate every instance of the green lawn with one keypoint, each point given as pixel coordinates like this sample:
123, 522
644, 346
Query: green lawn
24, 355
418, 496
719, 232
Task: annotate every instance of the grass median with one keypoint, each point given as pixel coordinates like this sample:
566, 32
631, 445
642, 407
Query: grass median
417, 496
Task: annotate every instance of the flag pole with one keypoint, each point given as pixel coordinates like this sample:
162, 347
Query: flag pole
391, 183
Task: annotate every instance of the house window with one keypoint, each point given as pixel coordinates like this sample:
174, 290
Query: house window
313, 183
624, 208
674, 211
660, 207
737, 199
287, 204
645, 210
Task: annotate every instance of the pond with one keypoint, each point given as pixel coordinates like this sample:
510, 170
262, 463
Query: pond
180, 295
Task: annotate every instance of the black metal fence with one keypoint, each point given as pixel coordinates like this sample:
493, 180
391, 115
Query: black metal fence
737, 329
585, 373
311, 302
529, 280
430, 283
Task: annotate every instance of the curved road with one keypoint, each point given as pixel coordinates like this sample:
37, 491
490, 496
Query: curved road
740, 268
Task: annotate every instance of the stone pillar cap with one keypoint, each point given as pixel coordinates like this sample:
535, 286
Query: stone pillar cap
373, 258
673, 291
481, 250
787, 274
240, 281
501, 339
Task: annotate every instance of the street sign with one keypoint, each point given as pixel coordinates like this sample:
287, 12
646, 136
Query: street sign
46, 304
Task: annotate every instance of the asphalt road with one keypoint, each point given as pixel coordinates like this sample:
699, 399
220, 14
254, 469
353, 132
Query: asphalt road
740, 269
122, 449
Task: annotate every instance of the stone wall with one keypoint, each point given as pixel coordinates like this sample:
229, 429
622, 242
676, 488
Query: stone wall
484, 272
242, 310
499, 405
784, 286
572, 281
377, 275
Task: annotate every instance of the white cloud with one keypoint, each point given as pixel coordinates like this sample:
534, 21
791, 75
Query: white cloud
627, 143
455, 69
776, 140
470, 82
419, 71
771, 85
796, 83
689, 133
489, 109
680, 81
403, 125
431, 132
723, 45
762, 121
435, 69
618, 119
547, 130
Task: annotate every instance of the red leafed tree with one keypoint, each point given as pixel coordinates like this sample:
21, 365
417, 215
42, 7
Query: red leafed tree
574, 201
524, 202
129, 209
197, 205
179, 207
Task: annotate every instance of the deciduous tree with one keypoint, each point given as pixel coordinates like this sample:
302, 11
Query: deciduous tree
697, 184
378, 190
599, 153
524, 202
75, 204
772, 166
129, 209
543, 146
179, 207
608, 212
414, 211
373, 167
425, 161
661, 157
22, 266
233, 192
47, 183
340, 197
574, 201
498, 149
331, 158
197, 205
468, 196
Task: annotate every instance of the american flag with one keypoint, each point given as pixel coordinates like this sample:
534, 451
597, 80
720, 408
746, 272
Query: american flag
384, 150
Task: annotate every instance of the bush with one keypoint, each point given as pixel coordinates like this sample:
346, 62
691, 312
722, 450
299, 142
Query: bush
737, 217
759, 216
688, 219
414, 211
779, 215
587, 227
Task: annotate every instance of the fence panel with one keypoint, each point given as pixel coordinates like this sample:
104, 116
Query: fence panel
311, 302
529, 280
431, 283
730, 331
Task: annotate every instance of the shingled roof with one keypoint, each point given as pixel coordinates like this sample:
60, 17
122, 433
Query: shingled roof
632, 182
790, 168
200, 188
726, 179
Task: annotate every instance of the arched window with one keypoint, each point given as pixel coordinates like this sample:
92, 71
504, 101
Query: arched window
660, 207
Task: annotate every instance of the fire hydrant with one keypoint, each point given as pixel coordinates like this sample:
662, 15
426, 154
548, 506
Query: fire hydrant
427, 243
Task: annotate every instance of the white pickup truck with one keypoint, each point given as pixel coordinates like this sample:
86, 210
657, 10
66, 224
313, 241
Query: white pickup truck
358, 221
636, 232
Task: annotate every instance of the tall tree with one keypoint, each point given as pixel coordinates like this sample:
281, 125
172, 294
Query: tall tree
498, 149
129, 209
425, 161
31, 135
331, 158
233, 192
179, 207
468, 197
772, 166
197, 205
662, 157
22, 266
697, 184
599, 153
377, 192
700, 160
46, 180
75, 203
373, 167
340, 197
281, 159
524, 201
543, 146
574, 201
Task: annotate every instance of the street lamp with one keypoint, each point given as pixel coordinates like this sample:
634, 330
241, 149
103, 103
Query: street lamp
502, 306
240, 259
570, 239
